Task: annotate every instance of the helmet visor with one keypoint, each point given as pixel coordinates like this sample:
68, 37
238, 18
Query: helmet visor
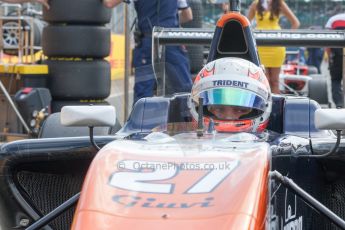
220, 103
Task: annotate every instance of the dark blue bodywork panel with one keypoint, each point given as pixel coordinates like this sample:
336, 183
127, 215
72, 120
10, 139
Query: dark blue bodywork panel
299, 118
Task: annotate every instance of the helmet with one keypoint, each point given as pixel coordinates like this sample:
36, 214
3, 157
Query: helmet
236, 95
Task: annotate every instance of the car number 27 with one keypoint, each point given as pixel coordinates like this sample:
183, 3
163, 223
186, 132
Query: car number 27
140, 179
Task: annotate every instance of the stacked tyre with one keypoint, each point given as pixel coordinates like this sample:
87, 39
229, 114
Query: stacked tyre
76, 41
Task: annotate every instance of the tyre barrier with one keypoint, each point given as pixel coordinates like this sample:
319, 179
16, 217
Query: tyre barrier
87, 12
317, 88
72, 80
76, 41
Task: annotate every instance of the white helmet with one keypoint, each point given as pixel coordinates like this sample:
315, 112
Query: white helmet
236, 95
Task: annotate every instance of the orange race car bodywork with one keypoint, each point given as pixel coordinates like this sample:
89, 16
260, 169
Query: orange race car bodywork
170, 186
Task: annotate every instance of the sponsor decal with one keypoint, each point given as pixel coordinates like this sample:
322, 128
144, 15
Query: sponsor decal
299, 36
240, 84
151, 177
230, 81
151, 202
291, 220
258, 35
190, 34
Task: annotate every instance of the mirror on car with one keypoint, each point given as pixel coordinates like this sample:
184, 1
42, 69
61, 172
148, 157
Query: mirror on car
91, 116
331, 119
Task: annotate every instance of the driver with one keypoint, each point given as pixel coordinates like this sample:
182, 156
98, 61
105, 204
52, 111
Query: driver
236, 95
228, 112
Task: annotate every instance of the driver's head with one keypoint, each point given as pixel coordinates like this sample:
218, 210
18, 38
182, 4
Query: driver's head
236, 95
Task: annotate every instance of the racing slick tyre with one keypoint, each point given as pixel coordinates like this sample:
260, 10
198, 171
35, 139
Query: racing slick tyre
11, 31
317, 89
78, 80
77, 12
312, 70
195, 53
76, 41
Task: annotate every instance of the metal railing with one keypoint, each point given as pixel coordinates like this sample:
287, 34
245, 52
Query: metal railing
22, 34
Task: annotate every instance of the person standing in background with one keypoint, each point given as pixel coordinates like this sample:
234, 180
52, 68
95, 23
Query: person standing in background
267, 14
164, 13
315, 56
335, 58
225, 7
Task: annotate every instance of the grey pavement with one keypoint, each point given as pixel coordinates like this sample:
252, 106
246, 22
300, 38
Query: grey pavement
117, 97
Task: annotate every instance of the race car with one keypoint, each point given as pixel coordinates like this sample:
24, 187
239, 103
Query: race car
300, 79
171, 166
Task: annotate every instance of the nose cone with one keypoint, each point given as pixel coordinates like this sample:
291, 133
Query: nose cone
209, 185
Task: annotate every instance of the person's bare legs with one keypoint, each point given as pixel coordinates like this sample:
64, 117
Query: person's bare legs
273, 77
267, 73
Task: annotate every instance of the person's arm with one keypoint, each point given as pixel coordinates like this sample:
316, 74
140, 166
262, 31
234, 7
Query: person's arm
225, 7
184, 11
185, 15
286, 11
252, 10
43, 2
111, 3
